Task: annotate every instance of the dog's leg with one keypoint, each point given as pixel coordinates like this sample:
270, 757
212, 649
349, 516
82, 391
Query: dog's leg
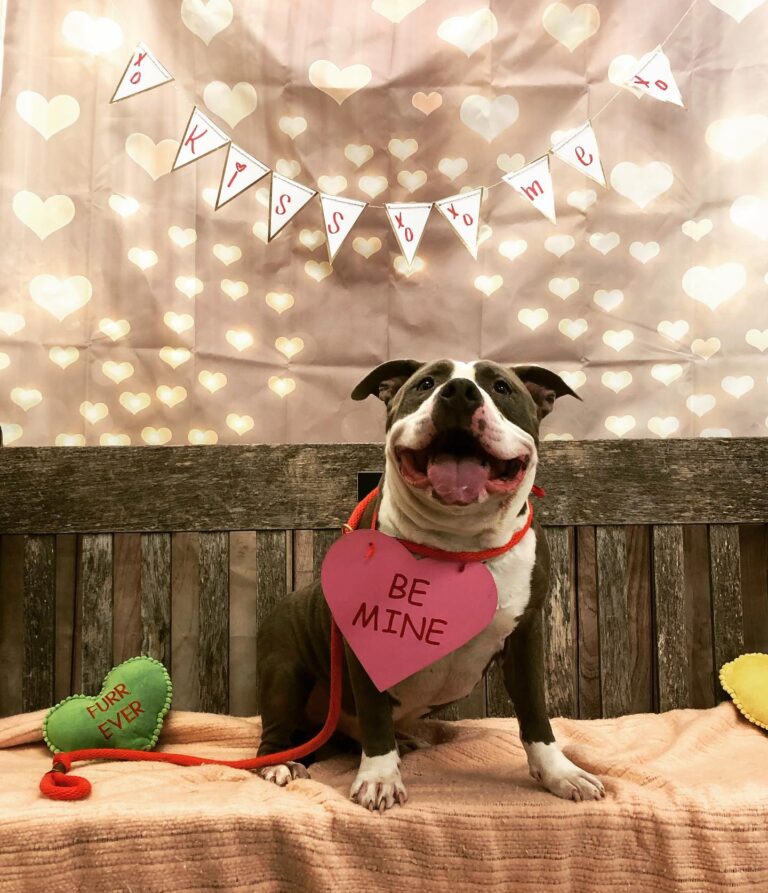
378, 784
523, 663
283, 690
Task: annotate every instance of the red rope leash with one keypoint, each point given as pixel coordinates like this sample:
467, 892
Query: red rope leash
57, 785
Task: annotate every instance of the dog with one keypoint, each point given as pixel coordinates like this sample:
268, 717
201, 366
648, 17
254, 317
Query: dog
461, 452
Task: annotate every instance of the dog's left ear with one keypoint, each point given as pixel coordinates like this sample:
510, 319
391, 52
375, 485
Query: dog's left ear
386, 380
544, 386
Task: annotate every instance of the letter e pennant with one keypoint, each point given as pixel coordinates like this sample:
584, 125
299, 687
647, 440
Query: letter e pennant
286, 199
654, 77
142, 73
340, 215
201, 137
579, 149
463, 213
534, 182
408, 220
241, 170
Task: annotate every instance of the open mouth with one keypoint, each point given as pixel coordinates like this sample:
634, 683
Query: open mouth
459, 470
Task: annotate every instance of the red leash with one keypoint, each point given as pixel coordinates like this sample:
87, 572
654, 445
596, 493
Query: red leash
57, 785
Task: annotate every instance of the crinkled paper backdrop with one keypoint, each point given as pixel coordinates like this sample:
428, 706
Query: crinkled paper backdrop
183, 324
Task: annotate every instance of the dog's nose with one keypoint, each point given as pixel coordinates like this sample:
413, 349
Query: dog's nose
461, 393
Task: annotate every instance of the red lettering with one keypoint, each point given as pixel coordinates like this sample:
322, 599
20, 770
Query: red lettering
408, 234
121, 689
399, 219
415, 591
640, 81
140, 58
581, 154
191, 138
135, 77
392, 614
437, 632
373, 616
335, 222
467, 218
662, 85
419, 635
111, 697
533, 190
398, 585
136, 707
284, 200
91, 711
239, 168
453, 211
104, 729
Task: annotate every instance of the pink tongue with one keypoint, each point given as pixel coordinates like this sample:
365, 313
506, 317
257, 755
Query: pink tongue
457, 481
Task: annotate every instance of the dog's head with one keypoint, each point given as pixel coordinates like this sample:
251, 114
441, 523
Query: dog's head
463, 433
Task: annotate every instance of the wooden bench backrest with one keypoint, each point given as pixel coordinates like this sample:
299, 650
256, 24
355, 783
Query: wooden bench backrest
658, 566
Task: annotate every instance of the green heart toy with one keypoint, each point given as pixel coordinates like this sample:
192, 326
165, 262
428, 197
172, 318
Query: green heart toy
127, 713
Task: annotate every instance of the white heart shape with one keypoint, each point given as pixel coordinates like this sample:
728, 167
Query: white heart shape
470, 32
714, 285
489, 118
642, 183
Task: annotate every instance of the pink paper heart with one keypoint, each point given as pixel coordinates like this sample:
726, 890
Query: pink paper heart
400, 613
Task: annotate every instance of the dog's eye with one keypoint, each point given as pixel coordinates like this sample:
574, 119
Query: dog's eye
426, 384
501, 387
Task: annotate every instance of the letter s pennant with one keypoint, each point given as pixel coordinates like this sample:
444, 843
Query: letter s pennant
340, 215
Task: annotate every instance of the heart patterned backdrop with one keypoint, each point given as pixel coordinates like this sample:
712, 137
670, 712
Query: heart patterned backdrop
132, 312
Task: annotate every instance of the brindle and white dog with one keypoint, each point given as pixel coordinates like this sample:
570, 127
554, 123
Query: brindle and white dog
461, 457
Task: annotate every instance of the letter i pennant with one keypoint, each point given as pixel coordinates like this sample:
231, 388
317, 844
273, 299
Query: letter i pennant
463, 213
340, 215
201, 137
142, 73
408, 220
654, 77
534, 182
241, 170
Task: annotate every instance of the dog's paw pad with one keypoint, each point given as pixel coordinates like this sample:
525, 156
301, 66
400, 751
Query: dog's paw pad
575, 784
378, 785
282, 773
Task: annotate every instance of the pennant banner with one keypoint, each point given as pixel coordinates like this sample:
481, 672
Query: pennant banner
534, 182
579, 149
463, 213
241, 171
142, 73
201, 137
408, 220
340, 215
654, 77
286, 199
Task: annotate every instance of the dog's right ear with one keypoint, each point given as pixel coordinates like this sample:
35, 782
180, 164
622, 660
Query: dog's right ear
386, 380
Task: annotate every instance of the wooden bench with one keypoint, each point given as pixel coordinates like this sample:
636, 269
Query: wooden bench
659, 565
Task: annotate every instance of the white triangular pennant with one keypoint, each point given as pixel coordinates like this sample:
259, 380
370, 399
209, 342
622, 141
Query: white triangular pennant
143, 72
201, 137
286, 199
408, 220
534, 182
340, 215
241, 170
579, 149
463, 213
654, 77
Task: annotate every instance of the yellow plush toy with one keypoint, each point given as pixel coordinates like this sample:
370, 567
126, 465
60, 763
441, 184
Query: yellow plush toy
746, 681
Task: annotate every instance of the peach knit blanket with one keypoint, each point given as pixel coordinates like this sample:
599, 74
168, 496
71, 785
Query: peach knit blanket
686, 810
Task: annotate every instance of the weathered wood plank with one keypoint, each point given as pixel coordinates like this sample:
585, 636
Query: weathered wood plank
39, 621
322, 542
96, 617
640, 618
727, 612
185, 614
612, 586
560, 635
497, 700
271, 584
126, 638
244, 597
11, 623
590, 700
214, 622
155, 596
66, 585
698, 616
669, 602
255, 487
753, 539
303, 564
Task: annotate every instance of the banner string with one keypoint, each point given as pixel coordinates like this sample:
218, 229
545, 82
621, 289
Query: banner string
591, 118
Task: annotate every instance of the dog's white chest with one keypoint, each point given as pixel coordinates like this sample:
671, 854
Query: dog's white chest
455, 675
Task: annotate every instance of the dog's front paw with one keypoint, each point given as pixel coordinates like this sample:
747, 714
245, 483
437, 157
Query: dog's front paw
560, 776
378, 784
282, 773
